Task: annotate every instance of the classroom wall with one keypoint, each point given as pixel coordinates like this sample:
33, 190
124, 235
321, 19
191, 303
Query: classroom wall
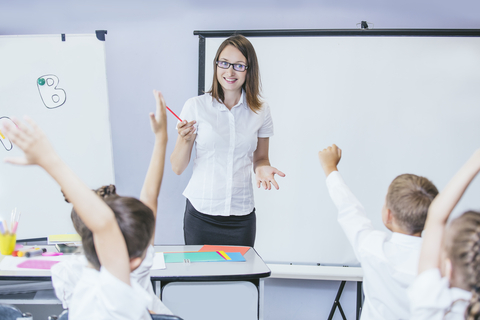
150, 44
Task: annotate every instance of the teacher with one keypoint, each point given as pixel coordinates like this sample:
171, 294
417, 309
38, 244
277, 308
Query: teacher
230, 127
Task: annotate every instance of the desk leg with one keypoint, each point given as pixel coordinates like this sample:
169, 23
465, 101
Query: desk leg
359, 299
261, 288
158, 289
336, 303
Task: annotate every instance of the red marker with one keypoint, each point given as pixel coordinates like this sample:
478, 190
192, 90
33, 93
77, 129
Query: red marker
174, 114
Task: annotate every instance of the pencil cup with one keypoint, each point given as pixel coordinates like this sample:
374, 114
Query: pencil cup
7, 243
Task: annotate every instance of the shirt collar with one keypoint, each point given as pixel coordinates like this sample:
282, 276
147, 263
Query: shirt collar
460, 294
405, 239
241, 102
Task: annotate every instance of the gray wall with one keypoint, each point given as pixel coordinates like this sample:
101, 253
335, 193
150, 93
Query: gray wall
150, 44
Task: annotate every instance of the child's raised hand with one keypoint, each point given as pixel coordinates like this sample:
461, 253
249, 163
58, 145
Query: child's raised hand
329, 158
186, 129
158, 121
33, 142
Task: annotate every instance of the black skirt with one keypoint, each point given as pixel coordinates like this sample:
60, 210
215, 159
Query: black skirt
200, 229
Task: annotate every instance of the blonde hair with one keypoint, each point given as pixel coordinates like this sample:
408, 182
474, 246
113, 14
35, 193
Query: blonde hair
462, 246
252, 85
409, 197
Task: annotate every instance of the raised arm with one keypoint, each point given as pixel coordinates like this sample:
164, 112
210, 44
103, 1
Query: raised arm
329, 159
351, 214
153, 179
97, 216
440, 210
264, 172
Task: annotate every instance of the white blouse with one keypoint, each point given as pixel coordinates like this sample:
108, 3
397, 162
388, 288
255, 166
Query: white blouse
221, 183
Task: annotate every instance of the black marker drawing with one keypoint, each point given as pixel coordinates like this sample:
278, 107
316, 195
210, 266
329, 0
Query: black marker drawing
52, 96
7, 144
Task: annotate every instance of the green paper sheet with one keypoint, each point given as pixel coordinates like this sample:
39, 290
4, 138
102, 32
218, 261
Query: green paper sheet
193, 257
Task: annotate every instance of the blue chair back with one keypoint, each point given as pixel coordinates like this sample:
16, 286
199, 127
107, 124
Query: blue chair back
64, 316
8, 312
165, 317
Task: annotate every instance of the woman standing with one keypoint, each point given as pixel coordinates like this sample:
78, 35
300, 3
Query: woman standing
231, 127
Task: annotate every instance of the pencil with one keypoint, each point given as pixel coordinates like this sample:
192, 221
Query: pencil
174, 114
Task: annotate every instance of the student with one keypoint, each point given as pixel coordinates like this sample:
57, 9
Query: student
121, 227
389, 261
65, 275
230, 127
452, 253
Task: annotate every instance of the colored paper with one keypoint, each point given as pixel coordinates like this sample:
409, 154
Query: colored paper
176, 257
223, 254
10, 263
236, 257
158, 261
226, 249
64, 238
37, 264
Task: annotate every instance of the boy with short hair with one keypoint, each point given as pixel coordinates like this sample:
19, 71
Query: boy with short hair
389, 262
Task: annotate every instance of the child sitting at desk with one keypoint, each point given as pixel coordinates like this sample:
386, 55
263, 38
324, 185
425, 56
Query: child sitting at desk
65, 275
453, 253
106, 290
389, 262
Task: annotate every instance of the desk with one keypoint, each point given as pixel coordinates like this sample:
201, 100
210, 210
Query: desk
205, 277
28, 275
225, 273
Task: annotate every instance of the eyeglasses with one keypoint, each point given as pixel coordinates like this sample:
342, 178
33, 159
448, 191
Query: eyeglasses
236, 66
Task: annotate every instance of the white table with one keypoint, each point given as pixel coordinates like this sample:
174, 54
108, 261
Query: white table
312, 272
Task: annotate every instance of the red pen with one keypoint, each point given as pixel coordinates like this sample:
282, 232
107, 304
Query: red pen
174, 114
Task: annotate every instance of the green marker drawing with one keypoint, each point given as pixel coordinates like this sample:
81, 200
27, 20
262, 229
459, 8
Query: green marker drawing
41, 81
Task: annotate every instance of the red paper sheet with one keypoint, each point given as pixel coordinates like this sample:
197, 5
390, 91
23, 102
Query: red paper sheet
242, 250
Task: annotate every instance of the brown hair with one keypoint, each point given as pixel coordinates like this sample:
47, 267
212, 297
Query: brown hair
462, 246
134, 218
409, 197
252, 85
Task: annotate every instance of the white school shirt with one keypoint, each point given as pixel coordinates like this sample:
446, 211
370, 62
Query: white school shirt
66, 275
101, 296
389, 261
432, 298
221, 183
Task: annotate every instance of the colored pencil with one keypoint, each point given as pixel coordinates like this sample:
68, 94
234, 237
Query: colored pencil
174, 114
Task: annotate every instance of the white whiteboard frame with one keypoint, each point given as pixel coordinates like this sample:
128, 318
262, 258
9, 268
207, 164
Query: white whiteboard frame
303, 251
79, 128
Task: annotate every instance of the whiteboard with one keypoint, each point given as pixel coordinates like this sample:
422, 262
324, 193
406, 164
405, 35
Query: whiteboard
393, 104
62, 85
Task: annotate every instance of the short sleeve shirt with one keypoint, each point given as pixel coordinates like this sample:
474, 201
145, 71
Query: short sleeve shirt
66, 275
100, 295
221, 183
